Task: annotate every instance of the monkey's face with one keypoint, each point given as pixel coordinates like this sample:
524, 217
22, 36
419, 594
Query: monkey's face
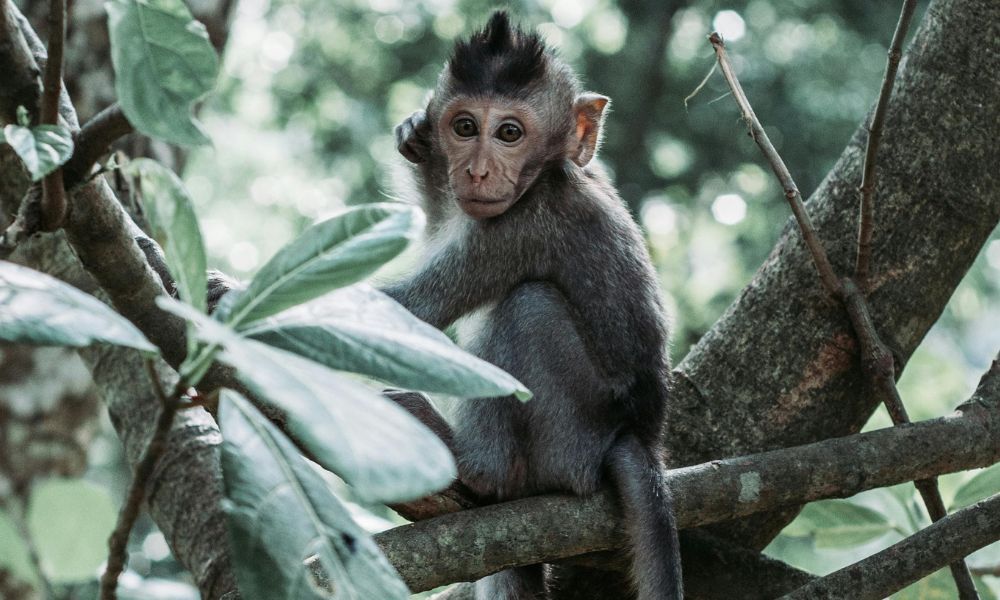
491, 146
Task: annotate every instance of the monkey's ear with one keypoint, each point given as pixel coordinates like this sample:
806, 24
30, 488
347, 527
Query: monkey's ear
589, 113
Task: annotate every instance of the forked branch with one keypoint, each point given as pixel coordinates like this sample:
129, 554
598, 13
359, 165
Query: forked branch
876, 359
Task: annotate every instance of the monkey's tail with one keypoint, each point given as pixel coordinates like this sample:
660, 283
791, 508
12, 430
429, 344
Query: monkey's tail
640, 479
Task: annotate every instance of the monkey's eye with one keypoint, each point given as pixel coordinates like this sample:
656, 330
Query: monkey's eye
509, 132
465, 127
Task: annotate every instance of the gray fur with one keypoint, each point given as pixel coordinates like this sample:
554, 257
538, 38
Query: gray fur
570, 305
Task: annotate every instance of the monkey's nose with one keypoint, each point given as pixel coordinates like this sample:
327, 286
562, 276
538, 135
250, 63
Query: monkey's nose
478, 175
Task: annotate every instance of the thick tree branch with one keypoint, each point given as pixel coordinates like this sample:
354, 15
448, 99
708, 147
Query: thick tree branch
93, 141
474, 543
19, 74
919, 555
53, 193
713, 570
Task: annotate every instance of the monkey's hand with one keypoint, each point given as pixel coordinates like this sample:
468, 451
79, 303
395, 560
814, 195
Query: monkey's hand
218, 282
413, 137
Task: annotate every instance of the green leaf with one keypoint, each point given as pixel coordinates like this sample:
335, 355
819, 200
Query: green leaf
983, 485
281, 513
70, 521
840, 524
42, 148
163, 63
175, 227
361, 330
334, 253
366, 439
38, 309
14, 552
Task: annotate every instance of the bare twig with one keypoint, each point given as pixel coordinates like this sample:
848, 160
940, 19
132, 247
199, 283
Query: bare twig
118, 542
917, 556
876, 359
867, 211
53, 192
18, 512
93, 140
792, 194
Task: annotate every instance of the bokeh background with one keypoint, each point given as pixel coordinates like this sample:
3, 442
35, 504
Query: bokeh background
302, 126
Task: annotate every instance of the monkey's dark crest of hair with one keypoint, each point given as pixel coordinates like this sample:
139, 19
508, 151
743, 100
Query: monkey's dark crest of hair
500, 59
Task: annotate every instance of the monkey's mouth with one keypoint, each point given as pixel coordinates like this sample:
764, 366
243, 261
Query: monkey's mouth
483, 200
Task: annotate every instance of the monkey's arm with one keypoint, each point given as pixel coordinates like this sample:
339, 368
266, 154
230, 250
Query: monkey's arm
440, 292
457, 280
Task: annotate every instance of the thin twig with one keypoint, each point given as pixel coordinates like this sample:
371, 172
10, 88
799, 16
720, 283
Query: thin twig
915, 557
792, 194
866, 221
18, 512
876, 359
93, 140
118, 542
54, 194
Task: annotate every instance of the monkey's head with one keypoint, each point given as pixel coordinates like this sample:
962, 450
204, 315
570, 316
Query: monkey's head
505, 108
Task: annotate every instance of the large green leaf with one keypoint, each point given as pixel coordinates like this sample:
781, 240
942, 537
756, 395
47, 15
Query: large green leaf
70, 521
42, 148
38, 309
361, 330
839, 524
163, 63
331, 254
370, 442
175, 227
983, 485
281, 513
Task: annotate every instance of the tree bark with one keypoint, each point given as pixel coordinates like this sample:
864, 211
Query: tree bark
474, 543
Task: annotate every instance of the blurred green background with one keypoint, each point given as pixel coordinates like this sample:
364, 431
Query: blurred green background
302, 126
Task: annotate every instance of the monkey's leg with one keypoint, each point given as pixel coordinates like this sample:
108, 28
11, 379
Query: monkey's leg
522, 583
639, 478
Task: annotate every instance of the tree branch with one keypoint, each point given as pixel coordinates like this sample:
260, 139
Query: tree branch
948, 540
866, 220
93, 140
714, 569
877, 361
53, 192
471, 544
118, 541
792, 194
812, 386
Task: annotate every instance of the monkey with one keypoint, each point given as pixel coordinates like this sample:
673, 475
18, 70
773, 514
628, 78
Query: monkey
532, 255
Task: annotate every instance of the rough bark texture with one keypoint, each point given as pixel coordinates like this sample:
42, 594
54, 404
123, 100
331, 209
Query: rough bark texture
471, 544
713, 570
781, 366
